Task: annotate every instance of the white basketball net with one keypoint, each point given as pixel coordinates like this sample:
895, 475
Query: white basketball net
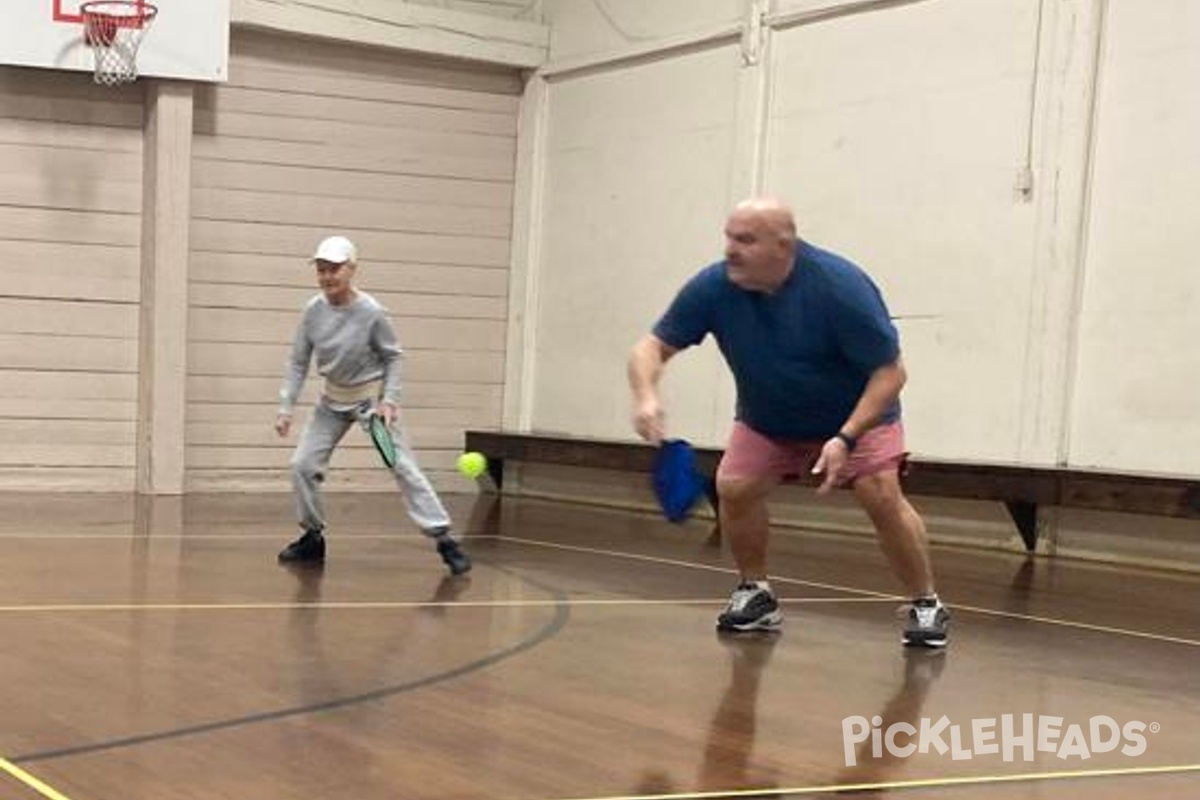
114, 30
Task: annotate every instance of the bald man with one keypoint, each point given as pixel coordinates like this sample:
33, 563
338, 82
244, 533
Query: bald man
817, 365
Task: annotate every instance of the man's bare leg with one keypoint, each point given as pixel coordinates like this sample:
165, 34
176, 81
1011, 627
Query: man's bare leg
743, 513
900, 530
901, 534
744, 519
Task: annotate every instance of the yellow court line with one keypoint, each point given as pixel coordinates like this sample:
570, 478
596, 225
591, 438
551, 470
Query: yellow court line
928, 783
175, 537
365, 605
861, 595
41, 787
1158, 637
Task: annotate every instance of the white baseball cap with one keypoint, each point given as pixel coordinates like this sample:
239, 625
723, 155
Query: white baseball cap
336, 250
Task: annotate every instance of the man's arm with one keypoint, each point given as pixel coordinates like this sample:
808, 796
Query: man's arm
387, 345
646, 362
883, 387
293, 379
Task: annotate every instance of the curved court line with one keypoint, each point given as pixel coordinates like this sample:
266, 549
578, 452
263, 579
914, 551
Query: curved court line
350, 605
37, 785
1157, 637
925, 783
561, 614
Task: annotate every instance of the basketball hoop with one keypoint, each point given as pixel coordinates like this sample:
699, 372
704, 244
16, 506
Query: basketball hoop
114, 29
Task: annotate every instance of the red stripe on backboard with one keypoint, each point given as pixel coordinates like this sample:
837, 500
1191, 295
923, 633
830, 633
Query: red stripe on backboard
62, 16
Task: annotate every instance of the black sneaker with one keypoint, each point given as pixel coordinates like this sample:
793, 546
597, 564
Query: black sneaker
928, 624
751, 608
309, 547
456, 560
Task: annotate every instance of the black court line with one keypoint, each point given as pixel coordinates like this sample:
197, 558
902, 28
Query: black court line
562, 613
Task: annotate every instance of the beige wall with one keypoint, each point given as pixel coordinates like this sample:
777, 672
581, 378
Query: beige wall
70, 204
410, 157
964, 163
509, 9
906, 162
582, 29
1032, 243
156, 239
617, 228
1135, 388
1018, 175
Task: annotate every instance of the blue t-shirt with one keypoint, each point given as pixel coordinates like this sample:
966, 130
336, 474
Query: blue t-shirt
802, 355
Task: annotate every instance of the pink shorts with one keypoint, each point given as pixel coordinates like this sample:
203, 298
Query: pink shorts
750, 454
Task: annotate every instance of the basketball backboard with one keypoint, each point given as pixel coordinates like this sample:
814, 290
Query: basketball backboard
189, 39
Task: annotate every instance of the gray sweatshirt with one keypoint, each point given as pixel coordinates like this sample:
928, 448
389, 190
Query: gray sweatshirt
354, 344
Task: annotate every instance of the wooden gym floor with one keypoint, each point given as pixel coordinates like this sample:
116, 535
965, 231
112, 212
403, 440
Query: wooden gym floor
154, 650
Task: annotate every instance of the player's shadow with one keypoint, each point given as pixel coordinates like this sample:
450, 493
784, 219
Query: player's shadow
727, 763
305, 613
308, 582
449, 589
317, 677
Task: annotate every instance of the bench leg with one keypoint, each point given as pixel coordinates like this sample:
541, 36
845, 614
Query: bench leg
1025, 516
495, 468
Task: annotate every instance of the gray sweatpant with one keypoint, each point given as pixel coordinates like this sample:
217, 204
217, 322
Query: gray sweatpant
311, 459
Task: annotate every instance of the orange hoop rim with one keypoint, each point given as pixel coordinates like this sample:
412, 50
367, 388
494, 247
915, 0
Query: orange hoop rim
102, 12
113, 29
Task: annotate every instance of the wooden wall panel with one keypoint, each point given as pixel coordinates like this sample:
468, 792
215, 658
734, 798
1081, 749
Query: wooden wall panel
414, 160
70, 226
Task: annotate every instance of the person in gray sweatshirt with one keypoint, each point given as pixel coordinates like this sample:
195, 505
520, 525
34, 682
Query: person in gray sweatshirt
357, 354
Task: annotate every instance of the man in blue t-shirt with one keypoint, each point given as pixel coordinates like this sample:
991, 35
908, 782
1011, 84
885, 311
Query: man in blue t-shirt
817, 365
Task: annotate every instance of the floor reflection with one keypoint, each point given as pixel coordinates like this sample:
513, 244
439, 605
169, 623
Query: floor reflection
727, 762
875, 763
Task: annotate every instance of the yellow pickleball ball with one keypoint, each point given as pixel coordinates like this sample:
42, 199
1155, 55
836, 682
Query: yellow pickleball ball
472, 464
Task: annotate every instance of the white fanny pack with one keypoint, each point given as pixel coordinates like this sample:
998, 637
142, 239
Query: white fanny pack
352, 395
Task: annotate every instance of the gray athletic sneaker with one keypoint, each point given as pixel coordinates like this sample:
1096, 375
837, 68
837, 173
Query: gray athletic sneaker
928, 623
751, 608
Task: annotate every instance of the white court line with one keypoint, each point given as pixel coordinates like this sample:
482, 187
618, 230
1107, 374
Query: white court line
862, 592
175, 537
399, 604
707, 567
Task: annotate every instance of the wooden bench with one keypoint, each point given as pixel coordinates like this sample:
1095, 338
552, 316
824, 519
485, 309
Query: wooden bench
1023, 490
